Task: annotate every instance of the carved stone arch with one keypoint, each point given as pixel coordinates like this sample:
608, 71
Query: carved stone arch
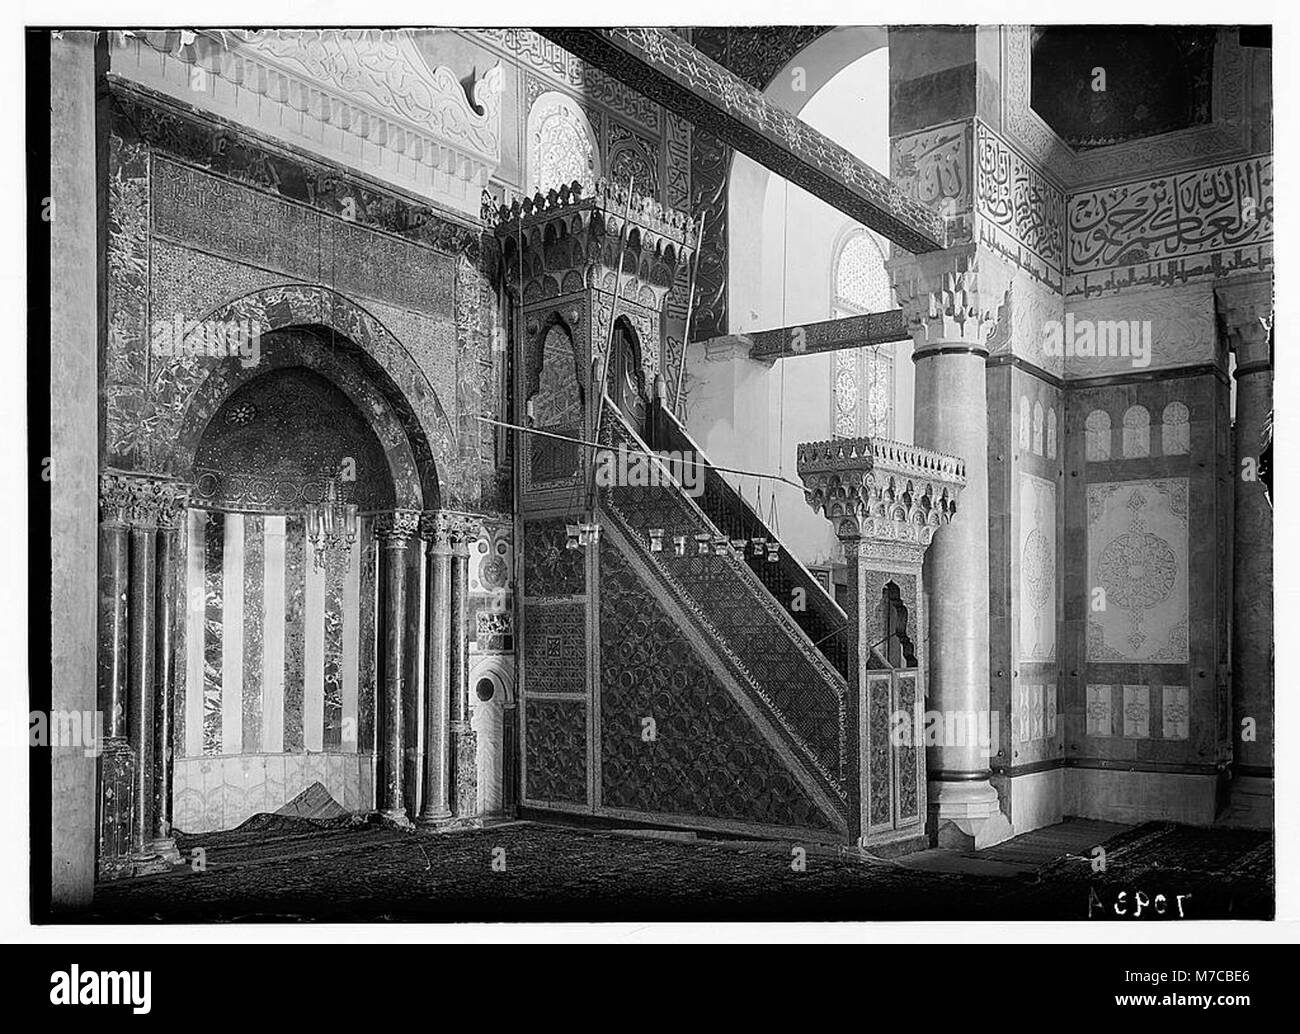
306, 348
364, 353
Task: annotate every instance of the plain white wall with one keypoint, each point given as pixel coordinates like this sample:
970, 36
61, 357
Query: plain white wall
782, 250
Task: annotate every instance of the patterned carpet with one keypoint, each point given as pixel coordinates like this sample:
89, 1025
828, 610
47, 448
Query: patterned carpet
282, 868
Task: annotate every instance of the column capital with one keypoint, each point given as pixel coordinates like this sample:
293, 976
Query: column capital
141, 501
396, 527
1245, 313
435, 529
886, 499
951, 299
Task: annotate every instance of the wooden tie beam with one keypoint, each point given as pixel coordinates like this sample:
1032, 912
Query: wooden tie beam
662, 66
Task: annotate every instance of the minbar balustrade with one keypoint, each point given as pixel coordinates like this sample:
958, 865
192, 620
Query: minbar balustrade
886, 500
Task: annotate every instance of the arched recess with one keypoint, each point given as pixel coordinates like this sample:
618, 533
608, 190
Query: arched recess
309, 349
555, 401
561, 145
349, 347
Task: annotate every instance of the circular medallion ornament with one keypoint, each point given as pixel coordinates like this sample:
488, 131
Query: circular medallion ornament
242, 414
493, 573
1137, 570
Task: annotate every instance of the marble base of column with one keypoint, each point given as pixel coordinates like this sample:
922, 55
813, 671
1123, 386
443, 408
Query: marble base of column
964, 814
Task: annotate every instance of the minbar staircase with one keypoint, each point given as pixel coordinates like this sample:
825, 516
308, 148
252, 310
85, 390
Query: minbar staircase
736, 579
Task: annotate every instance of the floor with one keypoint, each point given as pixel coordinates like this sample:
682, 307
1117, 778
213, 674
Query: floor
279, 869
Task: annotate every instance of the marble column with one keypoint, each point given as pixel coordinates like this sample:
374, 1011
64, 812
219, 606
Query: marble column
950, 324
114, 553
114, 812
394, 531
1246, 312
142, 657
464, 530
170, 518
435, 808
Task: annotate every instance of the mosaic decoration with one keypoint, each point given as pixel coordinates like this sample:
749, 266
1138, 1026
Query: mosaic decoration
377, 376
275, 443
1020, 212
707, 758
1172, 229
1037, 597
675, 74
1137, 553
209, 144
555, 648
285, 219
555, 750
1228, 135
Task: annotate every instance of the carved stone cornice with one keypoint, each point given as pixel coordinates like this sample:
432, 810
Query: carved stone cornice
141, 501
879, 491
950, 298
572, 242
396, 527
1245, 313
366, 97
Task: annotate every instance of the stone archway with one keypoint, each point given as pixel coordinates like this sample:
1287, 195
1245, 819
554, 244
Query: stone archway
363, 357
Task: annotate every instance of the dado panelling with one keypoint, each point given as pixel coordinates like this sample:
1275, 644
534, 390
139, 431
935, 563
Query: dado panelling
1036, 575
1148, 504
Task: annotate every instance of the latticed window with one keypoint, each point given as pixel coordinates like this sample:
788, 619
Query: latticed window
862, 379
561, 145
